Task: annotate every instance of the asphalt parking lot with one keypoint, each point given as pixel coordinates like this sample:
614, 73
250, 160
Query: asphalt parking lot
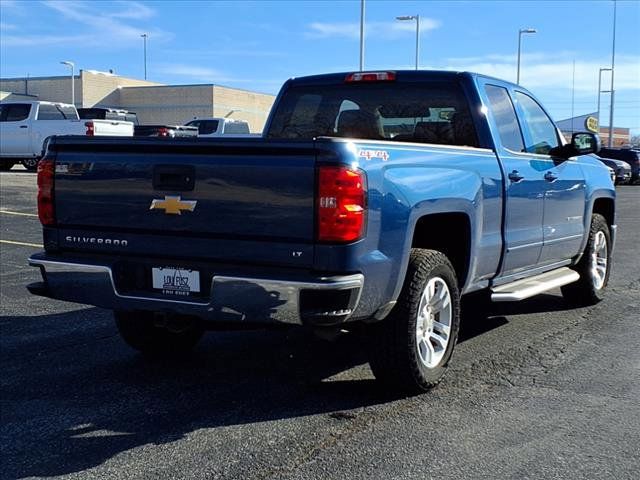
536, 390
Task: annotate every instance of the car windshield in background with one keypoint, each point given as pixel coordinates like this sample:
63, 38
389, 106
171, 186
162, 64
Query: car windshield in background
400, 112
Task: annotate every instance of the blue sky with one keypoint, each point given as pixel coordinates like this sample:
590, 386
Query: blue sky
258, 45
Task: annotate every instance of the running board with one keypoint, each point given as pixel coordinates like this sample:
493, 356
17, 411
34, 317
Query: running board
529, 287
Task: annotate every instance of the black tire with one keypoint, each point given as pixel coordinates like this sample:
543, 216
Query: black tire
585, 291
30, 164
393, 348
171, 336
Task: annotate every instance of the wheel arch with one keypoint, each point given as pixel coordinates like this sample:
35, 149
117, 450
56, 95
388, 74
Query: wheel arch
453, 239
603, 203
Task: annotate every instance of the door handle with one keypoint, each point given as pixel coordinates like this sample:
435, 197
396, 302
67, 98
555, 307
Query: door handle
515, 176
24, 126
550, 177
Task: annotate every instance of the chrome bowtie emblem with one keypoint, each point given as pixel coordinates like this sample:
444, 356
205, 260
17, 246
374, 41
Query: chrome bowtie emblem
173, 205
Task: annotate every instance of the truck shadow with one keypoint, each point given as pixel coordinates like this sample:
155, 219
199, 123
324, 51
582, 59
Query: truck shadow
74, 396
479, 317
71, 403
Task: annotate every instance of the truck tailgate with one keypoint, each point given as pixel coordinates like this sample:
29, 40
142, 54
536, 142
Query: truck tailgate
250, 199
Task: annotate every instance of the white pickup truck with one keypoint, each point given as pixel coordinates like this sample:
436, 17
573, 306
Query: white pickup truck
221, 127
24, 126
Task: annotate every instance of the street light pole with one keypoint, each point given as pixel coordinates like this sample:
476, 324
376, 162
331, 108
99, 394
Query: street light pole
361, 35
600, 91
613, 66
144, 36
73, 93
417, 19
520, 32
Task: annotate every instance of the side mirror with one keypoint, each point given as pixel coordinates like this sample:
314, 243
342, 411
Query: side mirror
582, 143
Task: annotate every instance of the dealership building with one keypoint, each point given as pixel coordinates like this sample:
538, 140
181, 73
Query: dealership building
154, 103
585, 123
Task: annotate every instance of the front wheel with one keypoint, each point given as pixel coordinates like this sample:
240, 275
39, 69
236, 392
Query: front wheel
170, 336
594, 267
30, 164
411, 348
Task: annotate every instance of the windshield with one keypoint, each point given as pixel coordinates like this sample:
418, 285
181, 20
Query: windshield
426, 113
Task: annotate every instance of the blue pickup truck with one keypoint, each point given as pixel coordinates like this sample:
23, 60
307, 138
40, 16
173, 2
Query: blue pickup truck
373, 199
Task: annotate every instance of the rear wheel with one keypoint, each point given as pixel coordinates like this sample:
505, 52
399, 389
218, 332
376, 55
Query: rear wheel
30, 164
153, 336
411, 348
594, 266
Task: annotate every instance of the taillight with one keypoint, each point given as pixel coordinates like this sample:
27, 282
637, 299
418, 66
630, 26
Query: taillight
90, 129
164, 132
341, 204
46, 174
370, 77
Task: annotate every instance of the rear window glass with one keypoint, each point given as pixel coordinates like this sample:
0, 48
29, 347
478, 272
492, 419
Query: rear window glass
15, 112
236, 127
205, 127
56, 112
425, 113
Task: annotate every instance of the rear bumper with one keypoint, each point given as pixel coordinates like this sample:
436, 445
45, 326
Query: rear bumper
314, 300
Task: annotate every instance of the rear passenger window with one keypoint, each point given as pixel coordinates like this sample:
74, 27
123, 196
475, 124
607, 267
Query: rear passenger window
543, 133
49, 112
14, 112
505, 117
207, 127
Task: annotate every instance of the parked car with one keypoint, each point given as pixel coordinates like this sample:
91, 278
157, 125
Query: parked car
162, 131
622, 170
333, 219
612, 174
165, 131
628, 155
218, 127
24, 127
102, 113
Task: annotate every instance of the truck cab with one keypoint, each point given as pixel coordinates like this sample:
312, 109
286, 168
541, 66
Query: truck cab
217, 127
25, 126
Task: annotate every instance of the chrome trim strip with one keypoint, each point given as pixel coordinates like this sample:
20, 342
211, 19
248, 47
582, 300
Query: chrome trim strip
563, 239
524, 245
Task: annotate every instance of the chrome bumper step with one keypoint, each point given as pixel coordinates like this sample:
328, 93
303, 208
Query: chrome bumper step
532, 286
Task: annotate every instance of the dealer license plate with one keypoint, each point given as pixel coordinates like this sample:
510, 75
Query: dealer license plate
176, 281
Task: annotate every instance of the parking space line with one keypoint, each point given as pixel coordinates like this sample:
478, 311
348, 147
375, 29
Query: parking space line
24, 244
19, 213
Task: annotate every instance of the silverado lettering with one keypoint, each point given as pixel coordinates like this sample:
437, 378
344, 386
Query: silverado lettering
97, 240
